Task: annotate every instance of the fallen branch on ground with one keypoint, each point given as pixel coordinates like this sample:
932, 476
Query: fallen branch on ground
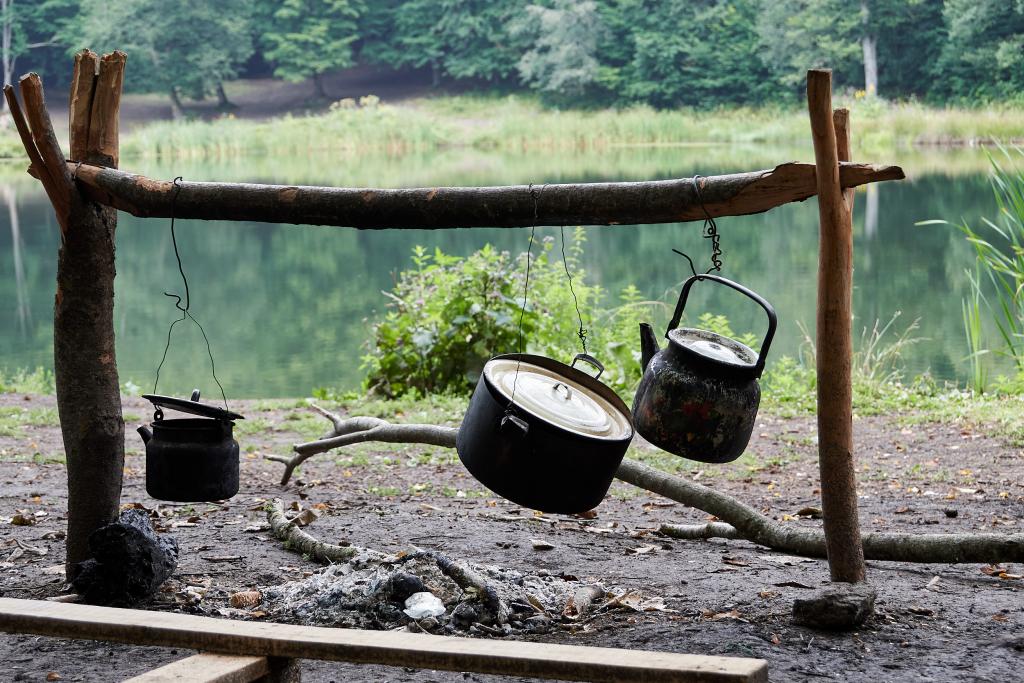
740, 520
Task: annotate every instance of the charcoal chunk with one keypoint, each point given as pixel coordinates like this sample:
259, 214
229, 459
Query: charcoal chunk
129, 562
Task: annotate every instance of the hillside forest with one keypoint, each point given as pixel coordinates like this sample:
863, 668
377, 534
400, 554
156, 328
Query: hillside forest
664, 53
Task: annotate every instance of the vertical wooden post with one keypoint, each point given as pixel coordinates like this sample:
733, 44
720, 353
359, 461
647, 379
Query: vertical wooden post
85, 368
834, 339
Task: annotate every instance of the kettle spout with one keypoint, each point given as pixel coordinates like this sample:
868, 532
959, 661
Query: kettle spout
146, 433
648, 344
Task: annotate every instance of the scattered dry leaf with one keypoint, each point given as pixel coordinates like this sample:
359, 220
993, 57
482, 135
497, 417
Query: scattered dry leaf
718, 616
22, 518
642, 550
735, 561
244, 599
306, 517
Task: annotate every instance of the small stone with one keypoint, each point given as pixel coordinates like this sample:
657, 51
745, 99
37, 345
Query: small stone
537, 624
838, 607
401, 585
951, 512
428, 624
464, 615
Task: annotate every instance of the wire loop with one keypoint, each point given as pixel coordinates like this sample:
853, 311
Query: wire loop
185, 313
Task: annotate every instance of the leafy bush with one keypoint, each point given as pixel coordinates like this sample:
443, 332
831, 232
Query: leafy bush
449, 314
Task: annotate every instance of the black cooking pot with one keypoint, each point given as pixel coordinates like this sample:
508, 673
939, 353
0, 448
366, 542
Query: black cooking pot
543, 434
190, 459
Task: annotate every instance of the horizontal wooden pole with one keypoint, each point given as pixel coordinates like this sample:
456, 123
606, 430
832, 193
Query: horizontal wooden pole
389, 648
208, 668
624, 203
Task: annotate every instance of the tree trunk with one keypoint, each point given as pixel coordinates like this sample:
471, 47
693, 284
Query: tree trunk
435, 74
222, 97
869, 45
177, 108
318, 86
88, 391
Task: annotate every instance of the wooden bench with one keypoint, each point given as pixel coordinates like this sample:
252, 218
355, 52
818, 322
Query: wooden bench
267, 650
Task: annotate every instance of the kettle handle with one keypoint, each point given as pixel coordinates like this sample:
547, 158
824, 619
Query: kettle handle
772, 320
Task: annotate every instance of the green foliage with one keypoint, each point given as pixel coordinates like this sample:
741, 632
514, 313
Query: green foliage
456, 38
38, 381
449, 314
562, 60
716, 59
189, 46
998, 269
983, 56
310, 37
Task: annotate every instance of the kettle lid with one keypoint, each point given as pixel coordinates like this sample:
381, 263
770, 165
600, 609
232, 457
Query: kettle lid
715, 348
192, 406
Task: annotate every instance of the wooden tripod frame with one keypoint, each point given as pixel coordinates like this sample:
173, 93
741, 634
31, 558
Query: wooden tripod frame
87, 191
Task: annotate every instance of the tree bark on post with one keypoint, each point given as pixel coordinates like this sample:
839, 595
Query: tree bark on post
85, 368
834, 342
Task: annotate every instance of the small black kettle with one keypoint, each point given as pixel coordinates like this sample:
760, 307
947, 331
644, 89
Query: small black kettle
190, 459
698, 396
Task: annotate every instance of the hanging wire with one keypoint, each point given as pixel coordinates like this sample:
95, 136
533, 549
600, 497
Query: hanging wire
582, 332
535, 196
710, 230
185, 313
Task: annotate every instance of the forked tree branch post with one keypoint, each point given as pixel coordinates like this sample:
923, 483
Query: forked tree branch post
85, 367
834, 343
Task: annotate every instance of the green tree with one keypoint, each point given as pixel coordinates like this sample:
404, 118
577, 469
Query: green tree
692, 53
562, 60
31, 26
186, 47
455, 38
307, 38
983, 57
857, 41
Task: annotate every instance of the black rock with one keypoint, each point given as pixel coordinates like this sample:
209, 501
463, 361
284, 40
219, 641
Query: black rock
464, 615
839, 607
401, 585
129, 562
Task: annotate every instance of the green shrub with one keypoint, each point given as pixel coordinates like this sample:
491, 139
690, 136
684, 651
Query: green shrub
449, 314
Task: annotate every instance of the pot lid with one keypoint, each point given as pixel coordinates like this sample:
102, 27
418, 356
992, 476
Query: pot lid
714, 347
192, 406
558, 399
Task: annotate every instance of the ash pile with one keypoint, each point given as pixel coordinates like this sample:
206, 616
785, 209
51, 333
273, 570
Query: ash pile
429, 592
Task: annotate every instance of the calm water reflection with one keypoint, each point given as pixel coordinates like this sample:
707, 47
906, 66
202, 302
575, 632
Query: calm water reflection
287, 307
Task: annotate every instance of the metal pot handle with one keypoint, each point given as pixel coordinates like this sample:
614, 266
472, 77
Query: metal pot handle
772, 320
587, 358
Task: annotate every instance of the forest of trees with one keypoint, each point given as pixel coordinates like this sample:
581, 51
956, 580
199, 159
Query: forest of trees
666, 53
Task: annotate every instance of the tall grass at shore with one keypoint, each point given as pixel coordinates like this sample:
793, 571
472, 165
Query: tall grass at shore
518, 124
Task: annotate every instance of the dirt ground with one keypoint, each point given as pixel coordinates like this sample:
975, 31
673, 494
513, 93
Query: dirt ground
932, 622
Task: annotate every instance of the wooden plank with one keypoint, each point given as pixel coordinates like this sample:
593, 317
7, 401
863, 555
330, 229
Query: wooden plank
627, 203
539, 660
208, 668
834, 342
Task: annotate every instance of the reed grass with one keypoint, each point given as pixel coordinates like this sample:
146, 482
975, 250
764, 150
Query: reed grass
517, 124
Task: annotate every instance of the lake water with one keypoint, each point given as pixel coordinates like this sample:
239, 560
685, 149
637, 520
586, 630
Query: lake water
287, 307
